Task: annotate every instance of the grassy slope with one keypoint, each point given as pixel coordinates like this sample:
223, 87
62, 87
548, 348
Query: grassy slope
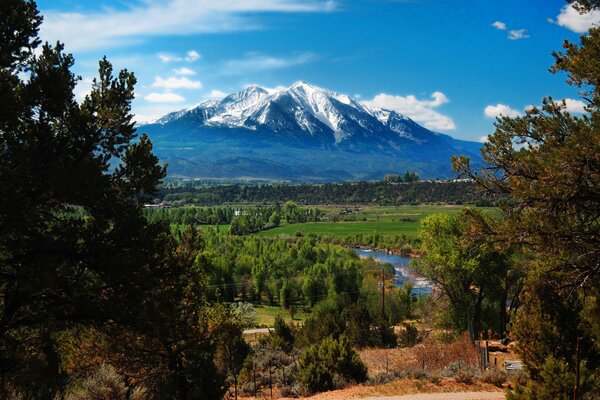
387, 221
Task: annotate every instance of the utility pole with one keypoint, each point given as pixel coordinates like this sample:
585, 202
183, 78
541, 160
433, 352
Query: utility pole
383, 292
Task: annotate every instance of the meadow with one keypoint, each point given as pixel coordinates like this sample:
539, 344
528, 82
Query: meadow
382, 220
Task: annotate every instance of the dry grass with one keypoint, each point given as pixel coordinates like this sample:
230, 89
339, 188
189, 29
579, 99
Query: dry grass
431, 355
430, 367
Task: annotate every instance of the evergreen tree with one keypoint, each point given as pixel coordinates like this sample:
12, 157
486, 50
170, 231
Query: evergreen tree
547, 163
76, 251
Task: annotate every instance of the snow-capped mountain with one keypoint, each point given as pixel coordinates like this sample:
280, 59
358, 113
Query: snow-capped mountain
303, 127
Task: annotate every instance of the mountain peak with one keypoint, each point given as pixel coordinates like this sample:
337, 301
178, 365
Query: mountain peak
304, 84
300, 125
301, 109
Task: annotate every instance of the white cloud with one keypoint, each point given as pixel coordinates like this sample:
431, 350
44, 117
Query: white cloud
217, 94
421, 111
151, 18
173, 82
484, 139
571, 105
261, 62
570, 18
499, 25
164, 98
575, 106
513, 34
192, 55
184, 71
516, 34
168, 58
500, 109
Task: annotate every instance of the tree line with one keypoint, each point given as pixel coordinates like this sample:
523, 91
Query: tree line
242, 220
386, 192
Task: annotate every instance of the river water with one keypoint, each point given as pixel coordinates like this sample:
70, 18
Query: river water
400, 264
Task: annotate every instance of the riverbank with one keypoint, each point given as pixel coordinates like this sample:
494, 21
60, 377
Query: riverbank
403, 273
394, 252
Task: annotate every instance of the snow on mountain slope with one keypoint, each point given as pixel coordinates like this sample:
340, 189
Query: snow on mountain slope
303, 133
301, 108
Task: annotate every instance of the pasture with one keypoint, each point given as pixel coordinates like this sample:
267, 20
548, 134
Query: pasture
385, 221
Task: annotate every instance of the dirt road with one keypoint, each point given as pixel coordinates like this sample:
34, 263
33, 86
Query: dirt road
445, 396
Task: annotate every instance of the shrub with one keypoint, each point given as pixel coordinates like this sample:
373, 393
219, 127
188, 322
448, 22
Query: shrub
320, 362
466, 376
434, 377
381, 378
282, 336
105, 384
409, 336
417, 373
495, 377
383, 335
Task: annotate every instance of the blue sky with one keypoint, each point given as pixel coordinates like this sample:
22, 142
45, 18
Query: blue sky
451, 65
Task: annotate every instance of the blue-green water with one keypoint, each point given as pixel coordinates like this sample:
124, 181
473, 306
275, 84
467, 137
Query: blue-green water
403, 272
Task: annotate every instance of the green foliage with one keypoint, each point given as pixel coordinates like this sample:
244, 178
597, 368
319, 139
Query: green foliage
232, 349
546, 161
282, 336
409, 336
557, 381
76, 252
380, 193
322, 361
468, 270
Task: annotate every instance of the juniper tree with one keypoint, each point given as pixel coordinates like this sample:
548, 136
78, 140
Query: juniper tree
548, 164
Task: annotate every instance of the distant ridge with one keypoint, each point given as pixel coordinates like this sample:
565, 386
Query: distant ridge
302, 133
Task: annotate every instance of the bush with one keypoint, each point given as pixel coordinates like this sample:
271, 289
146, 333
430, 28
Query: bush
434, 377
556, 381
381, 378
409, 336
495, 377
466, 376
417, 373
282, 336
383, 335
321, 362
105, 384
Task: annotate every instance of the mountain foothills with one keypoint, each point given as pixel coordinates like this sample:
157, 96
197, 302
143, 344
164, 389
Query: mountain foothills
302, 133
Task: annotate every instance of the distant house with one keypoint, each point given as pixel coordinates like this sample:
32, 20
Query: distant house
159, 205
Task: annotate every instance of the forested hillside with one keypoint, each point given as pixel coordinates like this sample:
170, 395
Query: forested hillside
379, 193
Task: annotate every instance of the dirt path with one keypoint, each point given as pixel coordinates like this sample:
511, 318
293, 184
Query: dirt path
257, 330
445, 396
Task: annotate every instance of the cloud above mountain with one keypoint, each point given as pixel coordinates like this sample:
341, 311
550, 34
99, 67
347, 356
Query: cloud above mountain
422, 111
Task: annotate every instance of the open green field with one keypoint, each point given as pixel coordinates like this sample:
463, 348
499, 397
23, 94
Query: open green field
346, 228
265, 315
386, 221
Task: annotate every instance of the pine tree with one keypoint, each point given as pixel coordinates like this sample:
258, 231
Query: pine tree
76, 251
547, 162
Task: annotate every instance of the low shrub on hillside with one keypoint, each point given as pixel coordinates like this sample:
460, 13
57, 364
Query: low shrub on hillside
329, 363
495, 377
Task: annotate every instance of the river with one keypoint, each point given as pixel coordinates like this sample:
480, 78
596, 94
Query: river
400, 264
